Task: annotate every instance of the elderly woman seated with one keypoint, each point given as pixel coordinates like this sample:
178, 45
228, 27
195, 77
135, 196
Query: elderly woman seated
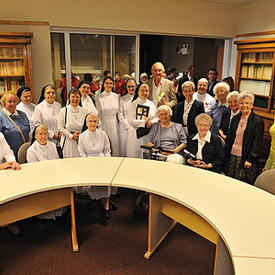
205, 146
244, 141
42, 149
168, 135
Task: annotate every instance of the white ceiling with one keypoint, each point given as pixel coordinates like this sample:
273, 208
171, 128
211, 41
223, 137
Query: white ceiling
230, 2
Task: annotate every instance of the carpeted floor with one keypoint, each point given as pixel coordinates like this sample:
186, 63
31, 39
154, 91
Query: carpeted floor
116, 248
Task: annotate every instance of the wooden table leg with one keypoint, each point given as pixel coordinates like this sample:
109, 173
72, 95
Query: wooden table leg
159, 225
73, 226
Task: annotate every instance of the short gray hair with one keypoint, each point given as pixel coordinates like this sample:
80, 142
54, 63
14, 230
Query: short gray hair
158, 63
234, 93
91, 114
205, 117
188, 84
165, 108
222, 85
203, 80
244, 95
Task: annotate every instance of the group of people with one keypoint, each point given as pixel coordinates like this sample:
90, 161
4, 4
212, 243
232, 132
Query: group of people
219, 132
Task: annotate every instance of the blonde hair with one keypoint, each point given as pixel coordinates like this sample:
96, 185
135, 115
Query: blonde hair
5, 95
188, 84
42, 127
203, 116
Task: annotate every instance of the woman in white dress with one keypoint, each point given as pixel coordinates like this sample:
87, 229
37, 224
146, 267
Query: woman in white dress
70, 123
43, 149
94, 142
139, 117
87, 100
47, 112
7, 161
107, 104
124, 104
26, 105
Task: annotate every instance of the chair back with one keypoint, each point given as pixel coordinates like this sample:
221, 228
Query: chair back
266, 181
22, 152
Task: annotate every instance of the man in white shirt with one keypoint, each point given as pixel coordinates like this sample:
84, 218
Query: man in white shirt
203, 96
161, 90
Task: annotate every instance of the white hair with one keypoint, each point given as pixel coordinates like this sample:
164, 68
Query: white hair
165, 108
222, 85
203, 80
234, 93
244, 95
158, 63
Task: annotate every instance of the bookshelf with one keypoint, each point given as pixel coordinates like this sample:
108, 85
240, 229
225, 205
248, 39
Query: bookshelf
255, 66
15, 61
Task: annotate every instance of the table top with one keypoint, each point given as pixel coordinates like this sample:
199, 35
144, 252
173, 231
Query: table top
54, 174
243, 215
251, 266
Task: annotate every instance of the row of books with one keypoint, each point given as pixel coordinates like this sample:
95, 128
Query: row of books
9, 85
256, 71
255, 87
264, 57
11, 52
8, 68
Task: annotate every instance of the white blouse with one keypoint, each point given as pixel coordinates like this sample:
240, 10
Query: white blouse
94, 144
5, 151
88, 104
47, 114
29, 110
201, 143
74, 120
38, 152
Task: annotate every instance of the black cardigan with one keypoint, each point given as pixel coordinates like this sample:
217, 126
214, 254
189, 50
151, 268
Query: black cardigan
196, 109
212, 152
225, 121
252, 139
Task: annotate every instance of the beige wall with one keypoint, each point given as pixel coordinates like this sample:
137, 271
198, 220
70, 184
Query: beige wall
179, 17
256, 17
162, 16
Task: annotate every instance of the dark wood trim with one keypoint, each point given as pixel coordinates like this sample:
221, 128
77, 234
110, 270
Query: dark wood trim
14, 22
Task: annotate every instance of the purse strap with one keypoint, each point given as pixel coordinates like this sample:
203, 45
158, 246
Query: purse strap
24, 140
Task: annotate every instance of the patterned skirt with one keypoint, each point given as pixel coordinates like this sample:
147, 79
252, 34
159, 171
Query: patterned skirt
236, 170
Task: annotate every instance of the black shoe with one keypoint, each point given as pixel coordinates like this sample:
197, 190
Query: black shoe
112, 206
106, 214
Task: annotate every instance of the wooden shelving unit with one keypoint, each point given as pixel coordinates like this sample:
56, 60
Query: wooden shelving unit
15, 61
255, 68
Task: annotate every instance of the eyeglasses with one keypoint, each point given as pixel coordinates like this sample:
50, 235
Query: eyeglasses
131, 86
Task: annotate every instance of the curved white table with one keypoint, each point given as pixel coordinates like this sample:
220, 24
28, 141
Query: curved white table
239, 218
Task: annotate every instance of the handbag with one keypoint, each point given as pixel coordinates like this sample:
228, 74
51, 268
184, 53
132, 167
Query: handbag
58, 147
142, 131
